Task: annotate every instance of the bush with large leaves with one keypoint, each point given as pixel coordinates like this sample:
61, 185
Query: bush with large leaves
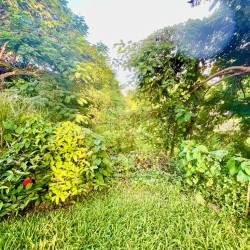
218, 175
62, 161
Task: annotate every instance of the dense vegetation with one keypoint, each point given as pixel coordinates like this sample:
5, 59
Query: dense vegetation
49, 77
67, 132
212, 118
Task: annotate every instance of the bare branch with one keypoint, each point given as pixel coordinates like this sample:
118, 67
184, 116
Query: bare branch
17, 72
2, 50
230, 72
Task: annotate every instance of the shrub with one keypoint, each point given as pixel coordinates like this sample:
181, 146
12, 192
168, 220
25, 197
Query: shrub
49, 162
78, 161
25, 159
218, 176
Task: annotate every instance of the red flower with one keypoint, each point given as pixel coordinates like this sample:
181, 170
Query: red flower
26, 182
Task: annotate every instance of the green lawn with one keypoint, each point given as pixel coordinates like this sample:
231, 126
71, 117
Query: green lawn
147, 211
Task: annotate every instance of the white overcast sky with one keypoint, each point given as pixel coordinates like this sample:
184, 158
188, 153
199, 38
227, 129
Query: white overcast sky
110, 21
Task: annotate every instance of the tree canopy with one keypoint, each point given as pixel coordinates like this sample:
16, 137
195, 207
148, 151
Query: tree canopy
44, 54
173, 68
39, 35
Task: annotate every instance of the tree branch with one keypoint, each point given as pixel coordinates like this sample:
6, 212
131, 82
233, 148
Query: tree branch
2, 50
17, 72
230, 72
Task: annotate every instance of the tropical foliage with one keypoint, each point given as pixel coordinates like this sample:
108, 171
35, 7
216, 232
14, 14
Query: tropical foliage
173, 68
61, 161
49, 76
67, 130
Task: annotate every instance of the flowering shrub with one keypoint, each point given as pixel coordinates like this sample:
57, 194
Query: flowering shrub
27, 182
49, 162
25, 160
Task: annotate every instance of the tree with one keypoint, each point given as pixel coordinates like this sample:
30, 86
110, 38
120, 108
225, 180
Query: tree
39, 35
44, 55
165, 78
170, 68
229, 22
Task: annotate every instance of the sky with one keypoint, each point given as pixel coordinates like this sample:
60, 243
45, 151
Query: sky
110, 21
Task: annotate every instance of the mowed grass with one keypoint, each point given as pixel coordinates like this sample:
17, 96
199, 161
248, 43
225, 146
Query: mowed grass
147, 211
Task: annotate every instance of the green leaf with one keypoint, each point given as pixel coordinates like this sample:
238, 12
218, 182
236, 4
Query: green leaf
75, 158
195, 179
8, 137
245, 164
200, 148
1, 205
19, 130
189, 182
105, 172
28, 187
247, 170
242, 177
93, 168
97, 162
27, 144
48, 129
220, 154
97, 142
232, 167
20, 188
9, 125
